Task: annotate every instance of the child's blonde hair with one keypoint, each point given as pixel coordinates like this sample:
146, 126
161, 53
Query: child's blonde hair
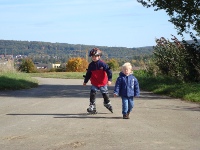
127, 65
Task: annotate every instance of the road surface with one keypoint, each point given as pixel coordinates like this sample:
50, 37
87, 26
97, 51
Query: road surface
53, 117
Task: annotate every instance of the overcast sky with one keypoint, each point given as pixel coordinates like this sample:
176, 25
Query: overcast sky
121, 23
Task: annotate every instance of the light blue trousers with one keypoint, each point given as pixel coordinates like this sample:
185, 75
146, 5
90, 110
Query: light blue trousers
127, 104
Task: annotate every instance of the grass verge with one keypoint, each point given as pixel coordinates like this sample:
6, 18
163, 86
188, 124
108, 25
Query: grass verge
62, 75
16, 81
168, 86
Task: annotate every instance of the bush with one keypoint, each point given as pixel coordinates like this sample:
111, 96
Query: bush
178, 60
113, 64
76, 64
27, 66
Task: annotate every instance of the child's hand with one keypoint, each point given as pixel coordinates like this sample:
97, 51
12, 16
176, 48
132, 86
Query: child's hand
84, 84
109, 83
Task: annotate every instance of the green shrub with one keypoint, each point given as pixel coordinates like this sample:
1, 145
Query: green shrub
27, 66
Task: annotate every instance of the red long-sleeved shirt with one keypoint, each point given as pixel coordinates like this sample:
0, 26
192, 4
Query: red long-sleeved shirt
98, 73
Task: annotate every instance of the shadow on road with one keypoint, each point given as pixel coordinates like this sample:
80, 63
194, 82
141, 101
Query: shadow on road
48, 91
79, 115
59, 91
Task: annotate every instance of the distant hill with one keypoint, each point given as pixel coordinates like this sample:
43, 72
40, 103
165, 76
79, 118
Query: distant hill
12, 47
55, 50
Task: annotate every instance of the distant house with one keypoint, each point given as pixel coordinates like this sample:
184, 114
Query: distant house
20, 56
51, 66
46, 66
41, 66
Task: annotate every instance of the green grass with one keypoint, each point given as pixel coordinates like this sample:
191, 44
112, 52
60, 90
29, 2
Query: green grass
16, 81
62, 75
168, 86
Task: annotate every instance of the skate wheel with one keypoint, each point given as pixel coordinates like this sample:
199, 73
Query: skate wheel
92, 113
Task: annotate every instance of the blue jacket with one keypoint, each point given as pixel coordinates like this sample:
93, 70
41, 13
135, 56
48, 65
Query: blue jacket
127, 86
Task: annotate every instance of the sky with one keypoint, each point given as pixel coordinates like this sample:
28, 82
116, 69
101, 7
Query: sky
112, 23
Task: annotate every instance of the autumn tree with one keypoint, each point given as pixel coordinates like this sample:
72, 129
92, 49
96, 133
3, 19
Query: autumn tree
27, 66
76, 64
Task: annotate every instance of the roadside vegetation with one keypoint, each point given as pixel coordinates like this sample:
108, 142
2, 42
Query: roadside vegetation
165, 85
61, 75
13, 80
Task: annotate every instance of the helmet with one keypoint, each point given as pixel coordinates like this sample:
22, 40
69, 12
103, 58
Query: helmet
95, 52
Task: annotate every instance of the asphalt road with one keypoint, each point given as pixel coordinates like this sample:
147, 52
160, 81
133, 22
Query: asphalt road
53, 117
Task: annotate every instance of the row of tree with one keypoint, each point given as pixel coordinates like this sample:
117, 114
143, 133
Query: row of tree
65, 50
74, 64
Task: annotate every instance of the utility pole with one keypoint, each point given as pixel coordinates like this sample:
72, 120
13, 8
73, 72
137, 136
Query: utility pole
86, 55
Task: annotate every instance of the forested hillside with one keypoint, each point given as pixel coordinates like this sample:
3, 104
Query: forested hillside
42, 49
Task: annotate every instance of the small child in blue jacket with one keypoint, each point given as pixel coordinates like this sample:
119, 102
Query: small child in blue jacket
127, 87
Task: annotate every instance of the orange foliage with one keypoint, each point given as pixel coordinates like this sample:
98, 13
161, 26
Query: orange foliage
76, 64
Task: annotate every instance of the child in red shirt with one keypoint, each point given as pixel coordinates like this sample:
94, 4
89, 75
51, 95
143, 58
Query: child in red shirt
100, 75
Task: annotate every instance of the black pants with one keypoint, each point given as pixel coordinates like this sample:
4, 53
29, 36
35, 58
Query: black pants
93, 97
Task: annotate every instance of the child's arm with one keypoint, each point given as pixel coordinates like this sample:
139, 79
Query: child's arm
117, 87
136, 88
87, 76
